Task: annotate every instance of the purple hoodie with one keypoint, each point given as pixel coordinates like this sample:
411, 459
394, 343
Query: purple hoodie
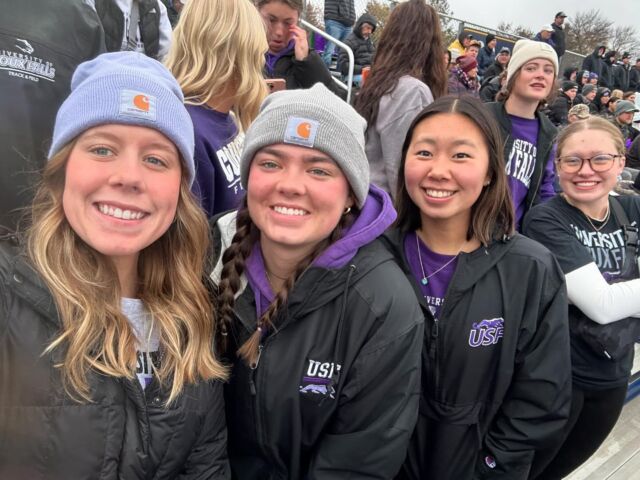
376, 216
272, 58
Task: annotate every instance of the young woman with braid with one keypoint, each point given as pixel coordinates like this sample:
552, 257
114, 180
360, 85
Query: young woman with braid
320, 326
407, 75
107, 369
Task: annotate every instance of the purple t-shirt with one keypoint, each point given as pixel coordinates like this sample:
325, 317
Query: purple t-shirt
217, 156
521, 163
436, 285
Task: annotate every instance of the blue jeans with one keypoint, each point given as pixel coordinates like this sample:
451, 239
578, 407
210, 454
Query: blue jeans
336, 30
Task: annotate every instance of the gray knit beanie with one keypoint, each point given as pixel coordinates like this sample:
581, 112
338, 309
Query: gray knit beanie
125, 88
587, 89
314, 118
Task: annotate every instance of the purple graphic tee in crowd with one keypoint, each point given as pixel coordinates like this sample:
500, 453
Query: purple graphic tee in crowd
436, 287
217, 156
521, 160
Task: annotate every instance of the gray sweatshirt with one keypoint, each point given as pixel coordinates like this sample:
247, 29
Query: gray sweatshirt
385, 138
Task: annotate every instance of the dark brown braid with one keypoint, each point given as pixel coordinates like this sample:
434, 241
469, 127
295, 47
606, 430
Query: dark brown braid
234, 261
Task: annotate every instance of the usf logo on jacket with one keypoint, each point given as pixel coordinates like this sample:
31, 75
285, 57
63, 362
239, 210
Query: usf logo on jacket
486, 332
319, 378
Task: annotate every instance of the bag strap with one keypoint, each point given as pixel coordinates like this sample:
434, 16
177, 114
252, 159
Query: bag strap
630, 236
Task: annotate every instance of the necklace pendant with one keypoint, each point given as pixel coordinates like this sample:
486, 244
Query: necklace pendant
424, 280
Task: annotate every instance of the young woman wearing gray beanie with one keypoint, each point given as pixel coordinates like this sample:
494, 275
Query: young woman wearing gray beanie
107, 369
320, 327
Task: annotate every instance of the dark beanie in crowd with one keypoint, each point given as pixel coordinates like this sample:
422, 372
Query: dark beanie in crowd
489, 38
467, 63
587, 89
568, 85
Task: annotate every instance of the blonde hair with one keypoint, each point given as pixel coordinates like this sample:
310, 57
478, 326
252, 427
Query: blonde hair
591, 123
218, 44
95, 335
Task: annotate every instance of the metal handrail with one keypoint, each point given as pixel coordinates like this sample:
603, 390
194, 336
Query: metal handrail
344, 46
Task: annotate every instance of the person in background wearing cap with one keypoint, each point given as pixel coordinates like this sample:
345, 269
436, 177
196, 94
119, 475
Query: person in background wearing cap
559, 110
528, 134
487, 54
623, 115
634, 77
593, 62
578, 112
217, 58
608, 65
290, 56
621, 73
463, 78
544, 35
498, 66
603, 286
593, 78
460, 44
321, 328
582, 77
588, 96
601, 100
408, 73
108, 369
559, 35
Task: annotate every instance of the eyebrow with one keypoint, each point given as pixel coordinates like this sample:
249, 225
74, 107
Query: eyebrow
311, 157
456, 143
165, 146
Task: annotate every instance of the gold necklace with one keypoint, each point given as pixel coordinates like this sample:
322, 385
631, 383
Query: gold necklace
425, 277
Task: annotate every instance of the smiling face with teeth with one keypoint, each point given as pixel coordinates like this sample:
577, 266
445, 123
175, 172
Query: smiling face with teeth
586, 189
296, 196
121, 189
445, 171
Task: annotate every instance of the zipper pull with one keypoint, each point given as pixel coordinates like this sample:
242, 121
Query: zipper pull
253, 367
434, 330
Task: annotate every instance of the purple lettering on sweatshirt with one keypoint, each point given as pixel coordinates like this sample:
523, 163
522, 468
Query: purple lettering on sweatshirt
436, 286
376, 216
217, 156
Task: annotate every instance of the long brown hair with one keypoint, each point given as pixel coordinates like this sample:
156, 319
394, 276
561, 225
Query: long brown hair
411, 44
234, 260
492, 215
95, 335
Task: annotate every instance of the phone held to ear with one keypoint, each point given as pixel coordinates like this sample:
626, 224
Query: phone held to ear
276, 84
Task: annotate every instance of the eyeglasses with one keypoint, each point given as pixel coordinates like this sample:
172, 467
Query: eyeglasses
599, 163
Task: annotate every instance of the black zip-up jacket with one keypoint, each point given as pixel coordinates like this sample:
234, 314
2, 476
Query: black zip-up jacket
304, 73
335, 393
363, 48
559, 111
607, 77
621, 77
634, 79
496, 377
546, 136
41, 44
125, 433
559, 40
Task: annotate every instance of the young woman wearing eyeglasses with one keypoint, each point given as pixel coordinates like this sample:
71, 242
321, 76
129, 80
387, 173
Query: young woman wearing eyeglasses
584, 231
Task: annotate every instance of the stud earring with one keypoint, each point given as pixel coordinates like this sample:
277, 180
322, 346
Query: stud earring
346, 211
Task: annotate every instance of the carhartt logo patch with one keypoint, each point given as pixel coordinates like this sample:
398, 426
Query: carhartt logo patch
138, 104
301, 131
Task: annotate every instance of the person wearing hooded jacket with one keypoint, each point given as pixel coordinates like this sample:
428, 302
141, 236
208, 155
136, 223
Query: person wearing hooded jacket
621, 73
487, 54
593, 62
361, 44
319, 324
608, 67
496, 371
559, 110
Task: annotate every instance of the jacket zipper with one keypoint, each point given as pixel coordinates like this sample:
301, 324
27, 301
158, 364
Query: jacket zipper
433, 353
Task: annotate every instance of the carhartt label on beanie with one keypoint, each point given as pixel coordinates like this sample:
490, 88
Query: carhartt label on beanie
138, 104
312, 118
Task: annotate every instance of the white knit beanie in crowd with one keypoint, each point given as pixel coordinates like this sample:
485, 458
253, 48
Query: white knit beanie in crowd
526, 50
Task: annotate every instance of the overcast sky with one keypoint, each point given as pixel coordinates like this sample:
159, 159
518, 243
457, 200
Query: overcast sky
534, 14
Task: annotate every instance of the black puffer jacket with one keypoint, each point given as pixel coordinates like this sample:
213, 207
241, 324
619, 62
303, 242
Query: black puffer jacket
607, 77
126, 433
593, 63
559, 39
496, 377
621, 74
363, 48
342, 11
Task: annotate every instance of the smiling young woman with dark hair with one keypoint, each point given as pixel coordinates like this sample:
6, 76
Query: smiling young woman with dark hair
495, 383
